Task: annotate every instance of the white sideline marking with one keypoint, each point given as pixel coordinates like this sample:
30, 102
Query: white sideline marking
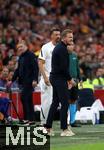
94, 131
97, 131
85, 138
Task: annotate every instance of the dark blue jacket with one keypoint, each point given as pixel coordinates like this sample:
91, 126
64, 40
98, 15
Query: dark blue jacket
60, 62
27, 70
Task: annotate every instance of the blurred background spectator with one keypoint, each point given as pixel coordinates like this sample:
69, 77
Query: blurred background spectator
32, 20
4, 77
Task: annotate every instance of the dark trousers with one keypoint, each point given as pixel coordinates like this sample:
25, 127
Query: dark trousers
60, 95
27, 102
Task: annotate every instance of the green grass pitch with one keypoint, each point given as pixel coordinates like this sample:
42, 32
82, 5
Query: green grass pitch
88, 137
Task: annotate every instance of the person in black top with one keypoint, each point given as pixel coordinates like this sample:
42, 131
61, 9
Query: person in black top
60, 78
27, 75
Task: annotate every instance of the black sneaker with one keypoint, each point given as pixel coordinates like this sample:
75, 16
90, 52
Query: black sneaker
24, 122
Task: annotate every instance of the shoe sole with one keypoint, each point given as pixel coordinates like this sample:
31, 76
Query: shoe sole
67, 135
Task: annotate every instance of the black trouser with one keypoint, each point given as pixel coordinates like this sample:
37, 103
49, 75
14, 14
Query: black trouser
60, 94
27, 102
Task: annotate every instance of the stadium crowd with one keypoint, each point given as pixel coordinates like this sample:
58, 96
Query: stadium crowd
31, 20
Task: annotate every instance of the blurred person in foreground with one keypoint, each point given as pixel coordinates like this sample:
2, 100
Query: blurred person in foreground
73, 91
27, 76
45, 69
60, 79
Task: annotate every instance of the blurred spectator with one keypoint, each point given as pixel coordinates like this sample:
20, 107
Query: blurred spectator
15, 83
4, 77
11, 65
98, 81
32, 21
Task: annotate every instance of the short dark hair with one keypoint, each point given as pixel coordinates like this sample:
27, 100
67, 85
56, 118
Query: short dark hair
65, 32
54, 29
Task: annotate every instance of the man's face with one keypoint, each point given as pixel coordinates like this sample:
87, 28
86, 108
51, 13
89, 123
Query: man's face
21, 48
99, 72
5, 72
69, 38
70, 47
11, 65
56, 36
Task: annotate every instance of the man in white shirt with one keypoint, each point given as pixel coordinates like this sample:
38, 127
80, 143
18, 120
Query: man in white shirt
45, 69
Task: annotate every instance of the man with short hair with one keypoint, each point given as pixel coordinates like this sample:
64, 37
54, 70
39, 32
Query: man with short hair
27, 75
45, 68
60, 78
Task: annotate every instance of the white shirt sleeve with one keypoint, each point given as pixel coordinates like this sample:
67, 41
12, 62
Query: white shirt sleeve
43, 53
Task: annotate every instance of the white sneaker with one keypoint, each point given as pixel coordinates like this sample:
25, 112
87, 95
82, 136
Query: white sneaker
50, 132
69, 128
67, 132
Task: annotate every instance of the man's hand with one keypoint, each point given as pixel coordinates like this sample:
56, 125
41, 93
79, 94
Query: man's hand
71, 83
47, 82
34, 84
